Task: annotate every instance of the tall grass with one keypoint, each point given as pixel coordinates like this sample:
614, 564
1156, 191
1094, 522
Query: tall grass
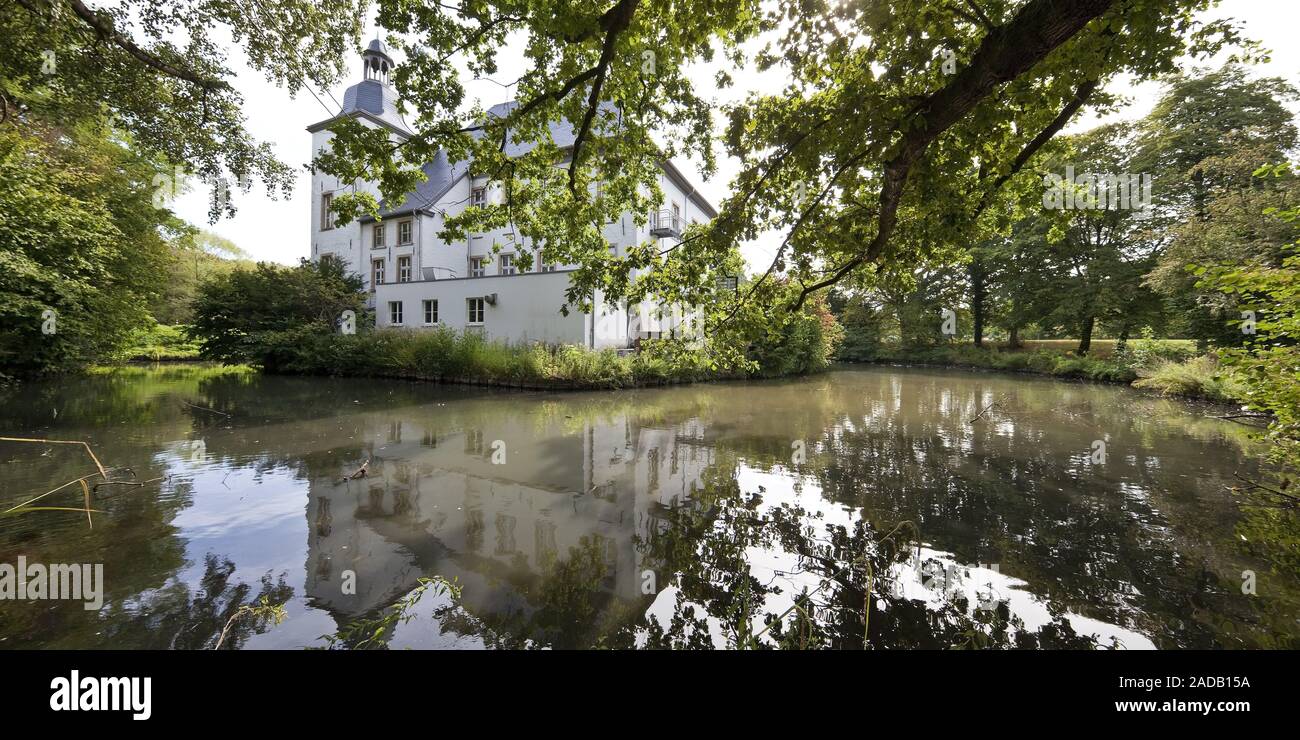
1199, 377
446, 354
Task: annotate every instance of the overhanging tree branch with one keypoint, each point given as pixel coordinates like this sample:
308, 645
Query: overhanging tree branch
103, 25
1005, 53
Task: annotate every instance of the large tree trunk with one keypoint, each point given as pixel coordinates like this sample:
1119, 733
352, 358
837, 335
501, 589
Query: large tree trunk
978, 293
1015, 337
1085, 336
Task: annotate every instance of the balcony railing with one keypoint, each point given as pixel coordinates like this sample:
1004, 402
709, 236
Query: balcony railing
666, 224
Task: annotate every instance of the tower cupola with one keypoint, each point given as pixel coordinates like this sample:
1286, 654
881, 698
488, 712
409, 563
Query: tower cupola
376, 64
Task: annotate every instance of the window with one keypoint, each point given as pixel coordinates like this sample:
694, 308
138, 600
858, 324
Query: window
478, 196
394, 312
677, 215
475, 310
326, 215
543, 265
376, 272
477, 266
507, 265
379, 237
404, 232
404, 269
430, 313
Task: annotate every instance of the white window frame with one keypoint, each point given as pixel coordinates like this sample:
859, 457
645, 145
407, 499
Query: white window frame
430, 311
477, 266
476, 307
377, 268
506, 265
395, 313
404, 232
404, 269
478, 196
380, 240
326, 215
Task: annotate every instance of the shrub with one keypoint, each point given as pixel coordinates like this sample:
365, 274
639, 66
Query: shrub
1200, 377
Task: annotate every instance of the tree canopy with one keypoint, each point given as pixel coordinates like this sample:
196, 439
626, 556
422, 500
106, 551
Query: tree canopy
898, 124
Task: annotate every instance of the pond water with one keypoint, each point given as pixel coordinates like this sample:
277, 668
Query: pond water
917, 507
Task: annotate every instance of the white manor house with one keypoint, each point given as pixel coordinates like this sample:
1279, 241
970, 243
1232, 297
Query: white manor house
418, 280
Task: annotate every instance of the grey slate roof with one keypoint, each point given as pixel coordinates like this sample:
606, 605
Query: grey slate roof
442, 173
379, 47
375, 98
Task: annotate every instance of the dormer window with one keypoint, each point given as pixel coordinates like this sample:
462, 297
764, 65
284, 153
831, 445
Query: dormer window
404, 232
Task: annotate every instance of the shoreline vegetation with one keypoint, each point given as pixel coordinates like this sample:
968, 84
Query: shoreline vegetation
447, 356
1170, 368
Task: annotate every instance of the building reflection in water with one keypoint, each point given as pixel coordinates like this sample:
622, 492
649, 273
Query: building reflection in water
434, 502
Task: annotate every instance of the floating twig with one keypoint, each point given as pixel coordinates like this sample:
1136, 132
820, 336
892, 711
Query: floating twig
985, 411
205, 408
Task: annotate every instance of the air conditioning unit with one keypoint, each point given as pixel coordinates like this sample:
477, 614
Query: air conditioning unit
490, 299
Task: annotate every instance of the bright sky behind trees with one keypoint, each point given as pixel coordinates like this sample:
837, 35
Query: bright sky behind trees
277, 230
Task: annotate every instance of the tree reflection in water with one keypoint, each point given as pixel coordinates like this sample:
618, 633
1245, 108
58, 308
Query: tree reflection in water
877, 532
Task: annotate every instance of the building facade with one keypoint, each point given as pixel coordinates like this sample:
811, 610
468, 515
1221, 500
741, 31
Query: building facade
418, 280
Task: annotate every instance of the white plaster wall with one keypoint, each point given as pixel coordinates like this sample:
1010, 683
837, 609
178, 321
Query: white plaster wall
345, 242
527, 307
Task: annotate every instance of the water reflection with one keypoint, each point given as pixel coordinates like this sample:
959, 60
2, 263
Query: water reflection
917, 508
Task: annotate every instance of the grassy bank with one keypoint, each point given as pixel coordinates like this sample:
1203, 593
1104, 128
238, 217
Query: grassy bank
449, 356
1168, 367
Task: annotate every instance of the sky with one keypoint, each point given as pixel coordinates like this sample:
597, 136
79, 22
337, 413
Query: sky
278, 230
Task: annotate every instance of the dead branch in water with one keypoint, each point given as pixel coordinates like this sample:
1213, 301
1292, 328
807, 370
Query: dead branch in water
89, 451
1258, 420
986, 410
1281, 498
360, 472
86, 488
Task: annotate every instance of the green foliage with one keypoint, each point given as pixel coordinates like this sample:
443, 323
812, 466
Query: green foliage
257, 316
445, 354
375, 633
80, 242
868, 158
158, 72
1267, 364
196, 256
1199, 377
159, 343
805, 342
1204, 140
